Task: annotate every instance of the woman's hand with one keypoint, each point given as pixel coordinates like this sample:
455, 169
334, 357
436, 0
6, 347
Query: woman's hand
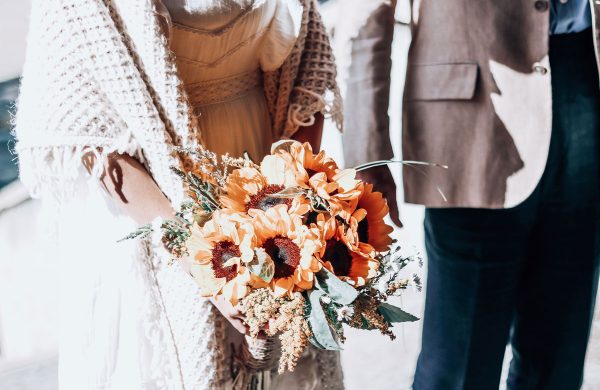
231, 313
311, 134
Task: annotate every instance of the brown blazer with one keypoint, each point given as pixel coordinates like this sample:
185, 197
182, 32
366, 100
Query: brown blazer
477, 98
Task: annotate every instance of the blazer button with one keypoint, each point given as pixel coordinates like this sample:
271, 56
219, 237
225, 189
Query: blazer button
539, 68
541, 5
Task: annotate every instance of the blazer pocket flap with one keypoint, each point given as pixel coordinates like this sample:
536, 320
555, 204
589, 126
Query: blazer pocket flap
454, 81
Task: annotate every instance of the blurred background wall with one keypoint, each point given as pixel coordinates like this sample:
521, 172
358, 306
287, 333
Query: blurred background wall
28, 305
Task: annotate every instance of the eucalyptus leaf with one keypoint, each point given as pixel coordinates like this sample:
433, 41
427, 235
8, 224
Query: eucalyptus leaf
394, 314
338, 290
314, 342
323, 336
202, 217
262, 265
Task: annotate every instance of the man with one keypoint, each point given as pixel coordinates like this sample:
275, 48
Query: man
506, 93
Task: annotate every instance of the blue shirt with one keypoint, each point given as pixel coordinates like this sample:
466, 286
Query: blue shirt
569, 16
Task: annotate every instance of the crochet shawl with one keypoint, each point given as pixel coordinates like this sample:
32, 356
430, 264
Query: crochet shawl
99, 77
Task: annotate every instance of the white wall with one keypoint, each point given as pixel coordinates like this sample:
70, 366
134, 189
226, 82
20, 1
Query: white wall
14, 15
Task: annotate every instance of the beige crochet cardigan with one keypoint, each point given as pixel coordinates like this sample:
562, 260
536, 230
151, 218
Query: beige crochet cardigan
99, 77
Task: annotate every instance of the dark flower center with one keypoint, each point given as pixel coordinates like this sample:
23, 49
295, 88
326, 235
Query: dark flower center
263, 201
363, 230
338, 254
285, 253
223, 251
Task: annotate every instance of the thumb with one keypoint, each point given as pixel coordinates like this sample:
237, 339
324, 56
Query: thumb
394, 212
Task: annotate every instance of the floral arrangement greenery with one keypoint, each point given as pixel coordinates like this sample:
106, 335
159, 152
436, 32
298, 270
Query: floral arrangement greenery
298, 243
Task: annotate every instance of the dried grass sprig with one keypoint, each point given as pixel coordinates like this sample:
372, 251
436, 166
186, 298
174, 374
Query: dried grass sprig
366, 314
214, 166
279, 316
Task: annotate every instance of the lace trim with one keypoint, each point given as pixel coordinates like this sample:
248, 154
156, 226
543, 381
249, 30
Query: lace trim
220, 30
223, 90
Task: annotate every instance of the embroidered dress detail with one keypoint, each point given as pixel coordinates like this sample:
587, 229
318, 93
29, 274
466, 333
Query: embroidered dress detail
220, 30
223, 90
226, 55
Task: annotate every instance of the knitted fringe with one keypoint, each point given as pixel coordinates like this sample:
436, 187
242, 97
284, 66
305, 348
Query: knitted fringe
52, 171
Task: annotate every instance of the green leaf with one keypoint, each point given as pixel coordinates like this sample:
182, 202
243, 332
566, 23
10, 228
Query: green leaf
323, 335
314, 342
338, 290
202, 217
141, 233
262, 265
394, 314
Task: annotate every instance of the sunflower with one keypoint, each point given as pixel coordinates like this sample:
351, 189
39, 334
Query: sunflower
321, 174
249, 189
340, 256
291, 246
217, 253
368, 220
309, 163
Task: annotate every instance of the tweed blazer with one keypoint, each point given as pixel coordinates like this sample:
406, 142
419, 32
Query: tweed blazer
477, 98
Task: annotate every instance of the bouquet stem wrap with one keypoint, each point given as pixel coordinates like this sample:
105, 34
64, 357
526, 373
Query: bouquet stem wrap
255, 361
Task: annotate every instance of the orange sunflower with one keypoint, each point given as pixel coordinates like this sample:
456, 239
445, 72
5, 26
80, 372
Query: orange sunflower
341, 257
217, 253
249, 189
321, 174
291, 246
368, 221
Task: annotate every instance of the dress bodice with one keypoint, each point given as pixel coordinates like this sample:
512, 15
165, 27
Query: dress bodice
221, 49
217, 39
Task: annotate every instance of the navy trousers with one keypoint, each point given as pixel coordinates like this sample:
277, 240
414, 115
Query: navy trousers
526, 275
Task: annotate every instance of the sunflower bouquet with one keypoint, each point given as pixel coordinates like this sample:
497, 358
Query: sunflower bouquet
298, 243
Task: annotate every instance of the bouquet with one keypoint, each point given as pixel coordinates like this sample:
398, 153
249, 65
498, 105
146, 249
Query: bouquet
298, 243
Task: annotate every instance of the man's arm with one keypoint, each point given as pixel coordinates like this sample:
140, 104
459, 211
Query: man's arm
364, 49
367, 94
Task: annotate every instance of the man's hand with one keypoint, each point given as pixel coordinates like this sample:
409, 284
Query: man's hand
383, 181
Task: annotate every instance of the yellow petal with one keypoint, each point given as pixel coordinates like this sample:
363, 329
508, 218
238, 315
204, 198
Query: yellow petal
283, 286
346, 179
205, 279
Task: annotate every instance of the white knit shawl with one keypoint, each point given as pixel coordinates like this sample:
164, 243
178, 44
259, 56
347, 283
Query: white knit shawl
89, 85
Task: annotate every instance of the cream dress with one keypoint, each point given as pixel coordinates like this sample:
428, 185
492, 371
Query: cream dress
221, 49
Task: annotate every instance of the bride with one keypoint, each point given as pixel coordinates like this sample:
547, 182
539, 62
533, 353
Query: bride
119, 87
